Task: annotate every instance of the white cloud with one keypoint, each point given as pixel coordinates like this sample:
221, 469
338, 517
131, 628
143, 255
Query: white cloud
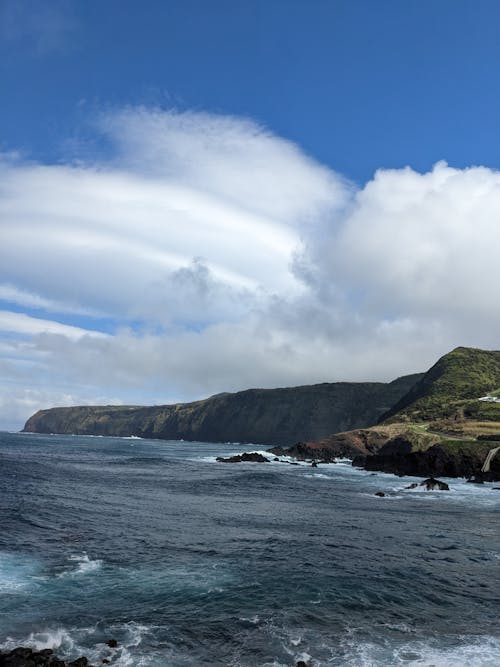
226, 258
26, 325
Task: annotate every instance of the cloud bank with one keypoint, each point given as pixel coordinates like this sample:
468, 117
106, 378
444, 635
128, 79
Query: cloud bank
199, 253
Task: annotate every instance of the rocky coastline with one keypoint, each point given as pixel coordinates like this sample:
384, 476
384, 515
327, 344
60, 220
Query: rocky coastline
27, 657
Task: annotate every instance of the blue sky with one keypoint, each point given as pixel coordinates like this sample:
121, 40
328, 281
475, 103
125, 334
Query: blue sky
358, 84
205, 196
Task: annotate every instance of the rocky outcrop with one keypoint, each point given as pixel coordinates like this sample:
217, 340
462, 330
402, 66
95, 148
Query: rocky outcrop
260, 416
246, 457
448, 458
402, 450
360, 442
432, 484
28, 657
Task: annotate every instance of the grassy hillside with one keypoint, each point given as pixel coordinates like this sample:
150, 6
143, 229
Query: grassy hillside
447, 388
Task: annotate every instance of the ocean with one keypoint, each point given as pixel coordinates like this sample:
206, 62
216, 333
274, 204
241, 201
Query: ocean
185, 561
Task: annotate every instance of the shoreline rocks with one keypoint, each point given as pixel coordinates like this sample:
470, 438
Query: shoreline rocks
27, 657
433, 484
246, 457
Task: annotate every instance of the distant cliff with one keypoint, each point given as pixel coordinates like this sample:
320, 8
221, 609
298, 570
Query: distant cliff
262, 416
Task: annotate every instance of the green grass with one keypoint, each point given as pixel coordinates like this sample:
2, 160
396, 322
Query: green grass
455, 381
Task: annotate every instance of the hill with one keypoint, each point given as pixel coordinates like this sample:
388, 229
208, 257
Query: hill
440, 427
451, 388
262, 416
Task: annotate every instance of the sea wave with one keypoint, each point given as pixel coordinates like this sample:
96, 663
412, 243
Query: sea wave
85, 565
70, 643
475, 651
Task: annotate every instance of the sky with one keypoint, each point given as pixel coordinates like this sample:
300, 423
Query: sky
199, 197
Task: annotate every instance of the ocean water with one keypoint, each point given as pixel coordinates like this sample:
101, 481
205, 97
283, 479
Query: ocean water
186, 561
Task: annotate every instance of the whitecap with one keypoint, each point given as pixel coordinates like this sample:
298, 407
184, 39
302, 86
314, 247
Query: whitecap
85, 565
482, 651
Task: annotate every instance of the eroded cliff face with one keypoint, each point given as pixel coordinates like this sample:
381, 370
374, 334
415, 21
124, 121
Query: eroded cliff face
261, 416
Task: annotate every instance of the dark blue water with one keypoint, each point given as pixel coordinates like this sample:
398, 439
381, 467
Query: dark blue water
190, 562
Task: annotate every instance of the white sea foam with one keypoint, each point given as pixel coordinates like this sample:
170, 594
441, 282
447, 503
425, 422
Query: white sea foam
317, 475
58, 638
482, 651
85, 565
16, 572
70, 643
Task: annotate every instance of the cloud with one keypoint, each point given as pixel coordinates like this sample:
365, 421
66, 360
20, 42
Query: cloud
217, 256
21, 323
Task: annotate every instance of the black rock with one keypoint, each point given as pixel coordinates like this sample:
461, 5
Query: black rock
27, 657
380, 494
112, 643
412, 486
432, 484
79, 662
477, 479
314, 464
252, 457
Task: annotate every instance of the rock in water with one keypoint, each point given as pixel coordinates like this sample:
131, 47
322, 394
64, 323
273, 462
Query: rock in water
477, 479
432, 484
380, 494
252, 457
27, 657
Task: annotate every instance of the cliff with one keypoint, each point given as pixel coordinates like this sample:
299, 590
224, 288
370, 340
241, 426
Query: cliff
262, 416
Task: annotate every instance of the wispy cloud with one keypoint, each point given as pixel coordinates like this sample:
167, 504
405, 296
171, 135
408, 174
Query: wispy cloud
227, 258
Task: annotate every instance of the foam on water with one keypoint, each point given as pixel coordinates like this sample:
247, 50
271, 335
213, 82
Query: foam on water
70, 643
475, 651
16, 572
85, 565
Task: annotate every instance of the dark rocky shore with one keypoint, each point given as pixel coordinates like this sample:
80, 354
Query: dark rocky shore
27, 657
24, 656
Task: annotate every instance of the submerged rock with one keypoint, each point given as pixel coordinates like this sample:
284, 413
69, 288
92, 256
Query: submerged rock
412, 486
252, 457
380, 494
433, 484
